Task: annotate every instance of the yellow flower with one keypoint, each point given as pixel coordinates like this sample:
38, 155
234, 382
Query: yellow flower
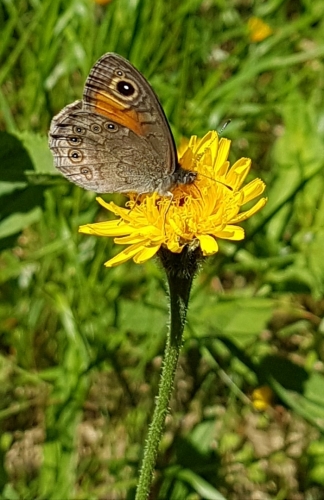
262, 397
199, 213
258, 29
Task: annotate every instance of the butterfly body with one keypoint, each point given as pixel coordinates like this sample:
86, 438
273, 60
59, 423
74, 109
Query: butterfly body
117, 138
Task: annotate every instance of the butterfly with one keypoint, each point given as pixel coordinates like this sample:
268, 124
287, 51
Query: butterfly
117, 138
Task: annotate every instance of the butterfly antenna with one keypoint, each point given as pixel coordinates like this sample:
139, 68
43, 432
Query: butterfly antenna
224, 126
215, 180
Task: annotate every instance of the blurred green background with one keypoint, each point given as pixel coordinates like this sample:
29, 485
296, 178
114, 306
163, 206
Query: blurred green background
81, 345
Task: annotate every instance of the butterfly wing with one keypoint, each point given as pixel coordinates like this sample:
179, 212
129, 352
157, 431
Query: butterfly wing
117, 90
117, 139
99, 155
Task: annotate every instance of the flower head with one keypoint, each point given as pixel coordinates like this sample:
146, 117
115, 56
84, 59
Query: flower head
262, 398
258, 29
198, 213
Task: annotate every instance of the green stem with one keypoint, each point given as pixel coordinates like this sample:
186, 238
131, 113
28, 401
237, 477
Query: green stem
180, 270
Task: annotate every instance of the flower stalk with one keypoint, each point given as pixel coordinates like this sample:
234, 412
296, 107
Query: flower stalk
180, 270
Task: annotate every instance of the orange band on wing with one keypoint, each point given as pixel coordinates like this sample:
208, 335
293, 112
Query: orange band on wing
114, 110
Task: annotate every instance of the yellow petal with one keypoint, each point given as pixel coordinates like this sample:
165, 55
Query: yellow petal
146, 254
235, 233
139, 236
252, 190
109, 228
223, 152
103, 203
124, 255
174, 246
238, 173
208, 244
211, 138
192, 142
246, 215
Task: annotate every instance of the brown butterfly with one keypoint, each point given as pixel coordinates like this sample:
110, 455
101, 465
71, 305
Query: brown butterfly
117, 138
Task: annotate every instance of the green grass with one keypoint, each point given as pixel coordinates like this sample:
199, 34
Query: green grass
81, 345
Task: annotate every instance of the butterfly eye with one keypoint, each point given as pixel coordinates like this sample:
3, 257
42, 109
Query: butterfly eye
125, 88
86, 172
95, 128
111, 127
79, 130
75, 156
74, 140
